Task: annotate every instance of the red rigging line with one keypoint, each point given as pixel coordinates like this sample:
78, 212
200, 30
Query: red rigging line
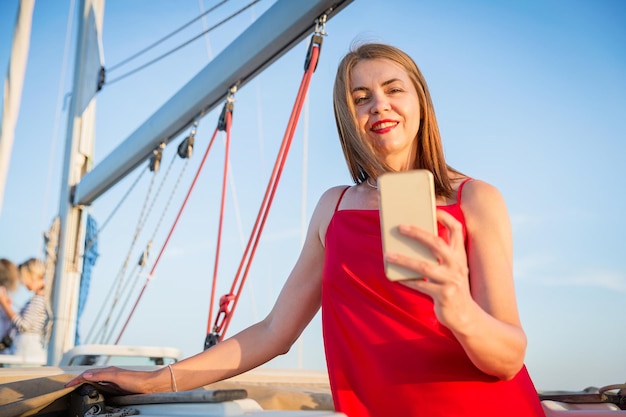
225, 123
228, 302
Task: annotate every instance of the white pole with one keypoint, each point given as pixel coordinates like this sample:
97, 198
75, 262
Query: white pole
77, 160
13, 87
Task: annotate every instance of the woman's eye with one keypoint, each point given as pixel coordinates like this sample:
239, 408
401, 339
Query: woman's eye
360, 100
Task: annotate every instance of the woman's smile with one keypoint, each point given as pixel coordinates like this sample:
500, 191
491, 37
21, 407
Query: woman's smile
383, 126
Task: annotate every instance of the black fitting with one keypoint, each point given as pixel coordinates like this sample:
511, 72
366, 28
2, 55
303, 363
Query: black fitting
185, 149
228, 107
101, 78
211, 340
85, 399
315, 40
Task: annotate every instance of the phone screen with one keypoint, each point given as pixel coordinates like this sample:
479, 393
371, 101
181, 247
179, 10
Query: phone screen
406, 197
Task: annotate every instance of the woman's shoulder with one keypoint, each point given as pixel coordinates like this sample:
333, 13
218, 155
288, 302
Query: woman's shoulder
331, 196
476, 190
337, 189
325, 209
480, 199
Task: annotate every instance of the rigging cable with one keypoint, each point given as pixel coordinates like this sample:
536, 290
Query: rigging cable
207, 42
147, 64
115, 209
163, 39
119, 280
228, 302
122, 283
184, 151
169, 235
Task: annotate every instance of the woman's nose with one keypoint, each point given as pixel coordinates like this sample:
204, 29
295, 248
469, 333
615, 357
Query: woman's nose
380, 103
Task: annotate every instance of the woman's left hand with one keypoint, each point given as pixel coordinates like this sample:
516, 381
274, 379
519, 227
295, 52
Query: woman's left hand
447, 281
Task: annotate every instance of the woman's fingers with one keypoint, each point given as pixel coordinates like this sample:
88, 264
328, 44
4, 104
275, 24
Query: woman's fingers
92, 375
455, 230
450, 253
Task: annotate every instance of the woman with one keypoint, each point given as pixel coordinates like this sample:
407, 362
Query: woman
9, 278
30, 322
448, 345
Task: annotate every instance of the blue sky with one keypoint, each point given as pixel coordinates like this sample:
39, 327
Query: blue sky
530, 96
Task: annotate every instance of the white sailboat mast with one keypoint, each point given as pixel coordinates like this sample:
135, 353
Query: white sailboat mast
77, 162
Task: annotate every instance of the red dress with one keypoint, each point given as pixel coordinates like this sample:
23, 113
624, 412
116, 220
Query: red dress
387, 354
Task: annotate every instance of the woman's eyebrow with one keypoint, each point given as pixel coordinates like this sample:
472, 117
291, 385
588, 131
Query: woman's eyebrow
385, 83
391, 81
355, 89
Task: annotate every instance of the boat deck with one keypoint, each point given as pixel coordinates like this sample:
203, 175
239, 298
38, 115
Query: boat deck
265, 392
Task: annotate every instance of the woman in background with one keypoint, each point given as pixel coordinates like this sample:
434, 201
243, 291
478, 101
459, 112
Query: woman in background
9, 278
30, 322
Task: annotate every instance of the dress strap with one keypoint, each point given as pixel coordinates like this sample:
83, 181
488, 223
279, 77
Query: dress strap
458, 192
341, 197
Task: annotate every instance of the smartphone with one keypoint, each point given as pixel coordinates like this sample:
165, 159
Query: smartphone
406, 197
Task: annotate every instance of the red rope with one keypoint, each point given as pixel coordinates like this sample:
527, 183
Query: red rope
224, 318
169, 235
228, 119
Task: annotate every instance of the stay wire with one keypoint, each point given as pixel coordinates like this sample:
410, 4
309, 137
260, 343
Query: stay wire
142, 266
121, 77
163, 39
114, 211
156, 262
119, 279
121, 282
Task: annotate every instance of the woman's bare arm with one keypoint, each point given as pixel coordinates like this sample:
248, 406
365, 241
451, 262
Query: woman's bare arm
297, 304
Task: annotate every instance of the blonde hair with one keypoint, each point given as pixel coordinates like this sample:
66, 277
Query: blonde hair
9, 274
363, 162
36, 268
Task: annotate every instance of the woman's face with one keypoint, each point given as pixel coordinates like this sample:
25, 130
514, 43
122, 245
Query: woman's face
387, 109
32, 282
